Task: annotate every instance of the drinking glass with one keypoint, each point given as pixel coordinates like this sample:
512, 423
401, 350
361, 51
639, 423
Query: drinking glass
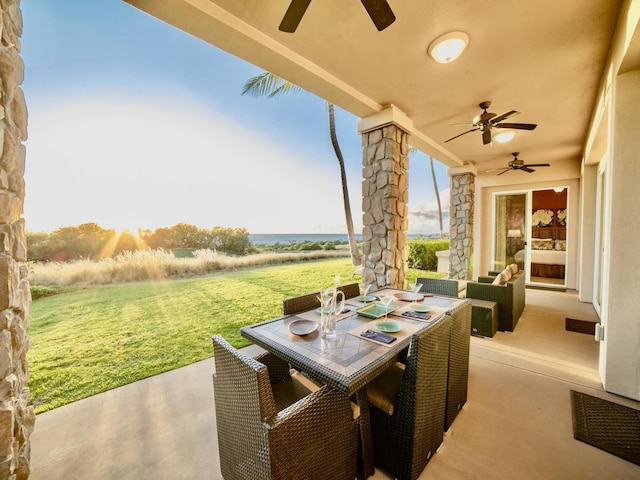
386, 301
415, 288
365, 290
331, 304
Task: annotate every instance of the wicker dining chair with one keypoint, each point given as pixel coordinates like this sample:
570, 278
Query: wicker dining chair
408, 404
439, 286
458, 376
350, 290
271, 426
310, 301
300, 303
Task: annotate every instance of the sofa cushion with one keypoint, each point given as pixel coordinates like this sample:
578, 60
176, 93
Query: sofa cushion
507, 273
500, 279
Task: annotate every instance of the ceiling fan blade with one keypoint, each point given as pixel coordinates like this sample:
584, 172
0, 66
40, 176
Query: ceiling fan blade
496, 169
293, 15
517, 126
505, 171
463, 133
526, 169
502, 117
486, 136
536, 165
380, 13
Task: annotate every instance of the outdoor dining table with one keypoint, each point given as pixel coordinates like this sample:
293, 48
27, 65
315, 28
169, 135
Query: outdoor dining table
347, 362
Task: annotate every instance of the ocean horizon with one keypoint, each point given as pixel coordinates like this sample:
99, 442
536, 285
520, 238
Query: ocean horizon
286, 238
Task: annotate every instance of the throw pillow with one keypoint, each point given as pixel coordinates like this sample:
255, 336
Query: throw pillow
514, 268
542, 243
560, 245
500, 279
507, 274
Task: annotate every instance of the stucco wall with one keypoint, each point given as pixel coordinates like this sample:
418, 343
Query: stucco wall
16, 416
621, 374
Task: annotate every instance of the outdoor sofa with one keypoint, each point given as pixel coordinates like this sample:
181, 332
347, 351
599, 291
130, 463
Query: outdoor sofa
507, 289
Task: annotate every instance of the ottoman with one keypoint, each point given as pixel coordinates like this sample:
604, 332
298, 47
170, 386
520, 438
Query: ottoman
484, 317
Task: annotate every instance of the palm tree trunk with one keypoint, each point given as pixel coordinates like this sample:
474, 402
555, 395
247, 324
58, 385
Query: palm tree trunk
353, 246
435, 189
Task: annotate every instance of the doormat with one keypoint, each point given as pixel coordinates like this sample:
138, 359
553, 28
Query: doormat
606, 425
580, 326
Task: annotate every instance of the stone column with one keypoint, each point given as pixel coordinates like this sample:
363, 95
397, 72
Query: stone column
385, 193
462, 184
16, 416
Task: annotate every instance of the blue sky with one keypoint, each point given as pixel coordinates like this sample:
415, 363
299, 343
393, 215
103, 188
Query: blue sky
134, 124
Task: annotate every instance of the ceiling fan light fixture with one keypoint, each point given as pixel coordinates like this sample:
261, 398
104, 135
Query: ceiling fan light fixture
448, 47
504, 136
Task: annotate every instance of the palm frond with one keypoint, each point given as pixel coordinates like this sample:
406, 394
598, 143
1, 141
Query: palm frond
269, 85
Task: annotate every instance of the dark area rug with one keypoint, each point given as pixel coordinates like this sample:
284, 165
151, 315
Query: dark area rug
606, 425
580, 326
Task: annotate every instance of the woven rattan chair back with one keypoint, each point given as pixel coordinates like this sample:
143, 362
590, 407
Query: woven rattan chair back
310, 300
243, 400
457, 379
314, 438
300, 303
439, 286
405, 441
350, 290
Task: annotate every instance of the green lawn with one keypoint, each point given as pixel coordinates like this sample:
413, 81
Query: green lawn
88, 340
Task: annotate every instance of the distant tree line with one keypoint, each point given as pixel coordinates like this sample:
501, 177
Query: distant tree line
90, 241
305, 245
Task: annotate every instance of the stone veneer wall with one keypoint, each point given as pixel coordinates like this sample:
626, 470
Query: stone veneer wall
16, 416
461, 225
385, 193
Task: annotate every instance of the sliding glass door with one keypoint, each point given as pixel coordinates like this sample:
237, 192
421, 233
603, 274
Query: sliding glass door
548, 245
509, 230
530, 229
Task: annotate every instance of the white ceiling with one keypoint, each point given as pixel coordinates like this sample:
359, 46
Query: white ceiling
543, 58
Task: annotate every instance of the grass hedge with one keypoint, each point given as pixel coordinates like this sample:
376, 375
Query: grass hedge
422, 253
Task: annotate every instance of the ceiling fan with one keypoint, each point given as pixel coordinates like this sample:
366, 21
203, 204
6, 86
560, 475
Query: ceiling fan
517, 164
379, 11
487, 120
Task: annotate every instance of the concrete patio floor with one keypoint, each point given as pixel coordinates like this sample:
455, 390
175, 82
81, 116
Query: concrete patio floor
516, 423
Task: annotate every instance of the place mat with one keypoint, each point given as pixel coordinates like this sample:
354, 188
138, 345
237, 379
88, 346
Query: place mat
407, 330
606, 425
313, 315
434, 312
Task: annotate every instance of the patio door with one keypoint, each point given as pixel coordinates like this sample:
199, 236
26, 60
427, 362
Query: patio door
548, 245
510, 214
598, 276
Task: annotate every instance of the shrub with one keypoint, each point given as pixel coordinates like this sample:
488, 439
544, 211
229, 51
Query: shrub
41, 291
422, 253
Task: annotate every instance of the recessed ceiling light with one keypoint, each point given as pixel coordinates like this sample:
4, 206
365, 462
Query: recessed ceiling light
448, 47
504, 136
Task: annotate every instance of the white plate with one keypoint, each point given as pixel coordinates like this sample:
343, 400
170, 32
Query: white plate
408, 296
420, 307
303, 327
365, 298
387, 326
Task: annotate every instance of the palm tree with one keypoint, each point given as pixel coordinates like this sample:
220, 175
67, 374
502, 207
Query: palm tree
437, 192
270, 85
412, 152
